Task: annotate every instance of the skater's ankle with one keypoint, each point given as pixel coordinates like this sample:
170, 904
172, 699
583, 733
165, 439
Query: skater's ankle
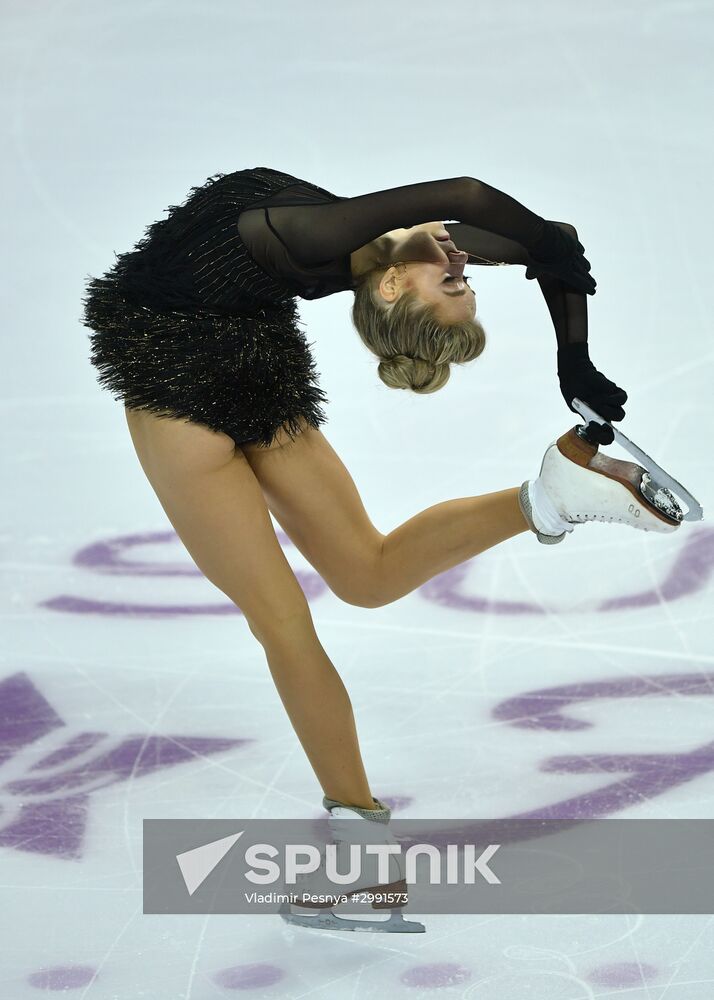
546, 516
357, 803
376, 810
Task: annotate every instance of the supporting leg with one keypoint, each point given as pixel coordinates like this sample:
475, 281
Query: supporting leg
319, 708
215, 504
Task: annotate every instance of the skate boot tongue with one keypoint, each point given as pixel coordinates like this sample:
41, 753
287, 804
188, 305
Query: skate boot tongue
351, 829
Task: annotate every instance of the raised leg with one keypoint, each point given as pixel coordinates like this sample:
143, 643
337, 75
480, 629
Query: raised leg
313, 497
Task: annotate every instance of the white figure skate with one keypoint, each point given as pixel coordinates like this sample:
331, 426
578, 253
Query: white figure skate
348, 827
584, 485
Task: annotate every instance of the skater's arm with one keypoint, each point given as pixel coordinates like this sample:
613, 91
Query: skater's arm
568, 310
317, 233
577, 374
569, 313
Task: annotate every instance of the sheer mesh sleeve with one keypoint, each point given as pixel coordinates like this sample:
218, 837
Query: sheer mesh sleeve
568, 310
317, 233
492, 228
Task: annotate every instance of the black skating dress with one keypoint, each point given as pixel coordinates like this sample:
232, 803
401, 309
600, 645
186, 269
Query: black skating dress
200, 319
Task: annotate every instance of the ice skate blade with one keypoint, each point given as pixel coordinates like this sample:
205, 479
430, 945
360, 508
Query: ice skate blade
660, 498
326, 920
661, 480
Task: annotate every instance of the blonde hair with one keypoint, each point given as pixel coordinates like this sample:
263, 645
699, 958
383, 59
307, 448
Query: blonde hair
414, 348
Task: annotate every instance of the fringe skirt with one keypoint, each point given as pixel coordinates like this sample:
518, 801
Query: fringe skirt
237, 363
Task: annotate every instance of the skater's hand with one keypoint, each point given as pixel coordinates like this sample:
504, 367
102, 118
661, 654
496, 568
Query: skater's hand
580, 378
560, 254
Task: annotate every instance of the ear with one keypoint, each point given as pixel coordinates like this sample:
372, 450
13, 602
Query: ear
390, 285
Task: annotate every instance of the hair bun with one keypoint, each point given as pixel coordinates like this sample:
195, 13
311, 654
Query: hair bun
403, 372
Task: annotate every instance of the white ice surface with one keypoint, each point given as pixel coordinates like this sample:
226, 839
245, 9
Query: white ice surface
589, 113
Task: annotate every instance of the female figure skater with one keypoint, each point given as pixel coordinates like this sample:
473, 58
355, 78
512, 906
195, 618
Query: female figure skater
196, 331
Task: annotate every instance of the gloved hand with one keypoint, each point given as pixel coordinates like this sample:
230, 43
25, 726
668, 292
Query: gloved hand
579, 377
560, 254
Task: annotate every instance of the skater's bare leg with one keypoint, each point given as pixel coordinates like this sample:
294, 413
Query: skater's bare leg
445, 535
213, 500
314, 498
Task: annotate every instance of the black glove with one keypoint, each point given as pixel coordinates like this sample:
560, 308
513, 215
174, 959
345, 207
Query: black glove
579, 377
560, 255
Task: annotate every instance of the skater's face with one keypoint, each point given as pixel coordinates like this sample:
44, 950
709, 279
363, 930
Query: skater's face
432, 267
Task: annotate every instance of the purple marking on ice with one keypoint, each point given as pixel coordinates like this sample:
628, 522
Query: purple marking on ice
622, 974
248, 977
47, 821
68, 604
444, 590
25, 716
133, 757
62, 977
55, 827
689, 574
436, 975
73, 748
396, 802
542, 709
643, 776
647, 776
107, 557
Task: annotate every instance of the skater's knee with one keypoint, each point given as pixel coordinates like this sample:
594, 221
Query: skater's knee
363, 587
355, 575
362, 598
281, 627
365, 592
